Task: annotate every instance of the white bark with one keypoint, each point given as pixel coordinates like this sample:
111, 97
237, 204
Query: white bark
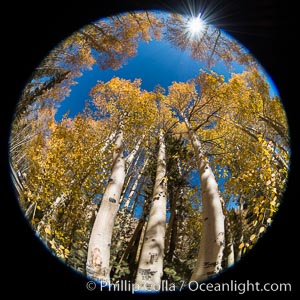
97, 266
128, 176
52, 212
131, 156
150, 269
135, 185
213, 237
108, 141
131, 166
17, 184
30, 210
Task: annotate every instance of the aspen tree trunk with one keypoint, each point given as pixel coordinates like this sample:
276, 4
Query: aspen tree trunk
213, 237
130, 253
170, 227
171, 240
129, 175
97, 266
130, 196
131, 162
29, 211
132, 155
229, 249
108, 141
134, 258
171, 235
51, 213
135, 185
241, 222
150, 269
230, 257
136, 198
17, 184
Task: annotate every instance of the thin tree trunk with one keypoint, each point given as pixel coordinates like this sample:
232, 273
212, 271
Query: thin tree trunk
135, 255
173, 239
229, 250
169, 230
108, 141
212, 239
17, 184
29, 211
135, 185
132, 155
59, 201
171, 236
136, 198
130, 162
230, 256
98, 267
130, 170
172, 243
150, 269
130, 253
135, 201
241, 221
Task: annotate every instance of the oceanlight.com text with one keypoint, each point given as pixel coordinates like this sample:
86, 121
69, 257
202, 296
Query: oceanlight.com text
192, 286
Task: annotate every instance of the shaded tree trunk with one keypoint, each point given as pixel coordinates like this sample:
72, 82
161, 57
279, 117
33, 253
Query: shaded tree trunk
131, 251
172, 232
170, 227
150, 269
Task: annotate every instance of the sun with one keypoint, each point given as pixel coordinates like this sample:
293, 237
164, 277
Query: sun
195, 27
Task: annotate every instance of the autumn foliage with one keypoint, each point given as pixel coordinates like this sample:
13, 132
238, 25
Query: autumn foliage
234, 127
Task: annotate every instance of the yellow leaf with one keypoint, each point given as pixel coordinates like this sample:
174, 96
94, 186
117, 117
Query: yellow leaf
269, 221
261, 229
252, 237
47, 230
241, 246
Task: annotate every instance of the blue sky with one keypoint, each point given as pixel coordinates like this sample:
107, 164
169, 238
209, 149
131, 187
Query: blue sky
156, 62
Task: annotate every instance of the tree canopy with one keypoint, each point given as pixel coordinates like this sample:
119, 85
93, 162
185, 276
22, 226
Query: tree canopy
170, 152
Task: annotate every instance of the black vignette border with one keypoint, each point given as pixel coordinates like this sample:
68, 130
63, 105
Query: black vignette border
265, 27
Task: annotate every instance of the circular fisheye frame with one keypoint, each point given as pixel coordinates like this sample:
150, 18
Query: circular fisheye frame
150, 149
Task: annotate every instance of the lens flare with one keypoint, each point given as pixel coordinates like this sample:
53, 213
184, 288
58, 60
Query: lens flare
195, 27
